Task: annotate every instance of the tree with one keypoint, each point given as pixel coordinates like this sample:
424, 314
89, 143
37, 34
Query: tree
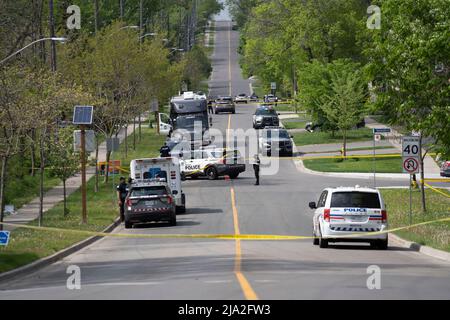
344, 105
64, 161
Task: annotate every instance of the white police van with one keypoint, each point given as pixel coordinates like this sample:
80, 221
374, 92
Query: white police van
350, 214
212, 163
165, 168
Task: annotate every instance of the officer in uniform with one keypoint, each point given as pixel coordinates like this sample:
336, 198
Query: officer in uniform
256, 165
165, 150
122, 192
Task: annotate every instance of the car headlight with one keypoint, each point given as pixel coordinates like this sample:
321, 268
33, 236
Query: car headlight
259, 118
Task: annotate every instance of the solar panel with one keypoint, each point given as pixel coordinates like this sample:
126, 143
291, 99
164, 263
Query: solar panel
82, 114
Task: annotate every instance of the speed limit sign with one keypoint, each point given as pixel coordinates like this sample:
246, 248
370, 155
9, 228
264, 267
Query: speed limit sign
411, 154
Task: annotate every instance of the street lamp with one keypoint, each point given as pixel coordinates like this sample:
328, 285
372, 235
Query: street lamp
59, 39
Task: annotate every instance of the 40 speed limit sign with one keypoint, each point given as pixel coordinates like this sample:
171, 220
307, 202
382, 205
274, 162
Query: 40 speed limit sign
411, 154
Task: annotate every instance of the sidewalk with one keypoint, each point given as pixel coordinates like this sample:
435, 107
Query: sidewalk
30, 211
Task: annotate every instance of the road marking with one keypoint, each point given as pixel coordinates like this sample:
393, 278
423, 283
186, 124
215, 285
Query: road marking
229, 58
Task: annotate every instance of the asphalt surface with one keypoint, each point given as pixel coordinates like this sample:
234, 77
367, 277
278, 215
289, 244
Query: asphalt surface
122, 268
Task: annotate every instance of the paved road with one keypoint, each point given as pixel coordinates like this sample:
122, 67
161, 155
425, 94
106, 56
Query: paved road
120, 268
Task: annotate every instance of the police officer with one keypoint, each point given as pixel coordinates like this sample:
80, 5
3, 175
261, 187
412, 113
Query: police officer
165, 150
256, 165
122, 191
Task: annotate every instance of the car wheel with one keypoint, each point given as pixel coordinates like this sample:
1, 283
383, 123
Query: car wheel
183, 177
211, 173
173, 221
128, 225
234, 111
234, 175
181, 209
315, 239
380, 244
323, 243
216, 112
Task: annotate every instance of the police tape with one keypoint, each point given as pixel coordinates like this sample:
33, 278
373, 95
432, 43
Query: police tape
437, 190
216, 236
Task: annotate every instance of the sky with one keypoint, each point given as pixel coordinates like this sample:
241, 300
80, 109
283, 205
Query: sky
224, 15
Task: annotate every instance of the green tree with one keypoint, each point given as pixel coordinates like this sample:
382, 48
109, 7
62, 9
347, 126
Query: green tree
63, 160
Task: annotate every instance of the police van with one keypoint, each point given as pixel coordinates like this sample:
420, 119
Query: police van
165, 168
350, 214
212, 163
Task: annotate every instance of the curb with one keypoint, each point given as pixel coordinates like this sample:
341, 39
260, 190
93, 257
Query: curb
43, 262
428, 251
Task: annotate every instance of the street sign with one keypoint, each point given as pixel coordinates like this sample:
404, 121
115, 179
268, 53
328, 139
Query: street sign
273, 85
411, 147
411, 154
411, 165
4, 238
381, 130
83, 114
90, 140
377, 137
154, 105
112, 144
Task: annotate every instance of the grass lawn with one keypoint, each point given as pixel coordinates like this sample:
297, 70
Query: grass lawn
436, 235
295, 124
305, 138
383, 165
26, 246
356, 149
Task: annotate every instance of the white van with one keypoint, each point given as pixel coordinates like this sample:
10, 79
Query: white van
163, 168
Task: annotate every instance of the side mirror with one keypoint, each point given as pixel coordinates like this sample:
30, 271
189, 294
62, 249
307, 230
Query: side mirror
312, 205
292, 137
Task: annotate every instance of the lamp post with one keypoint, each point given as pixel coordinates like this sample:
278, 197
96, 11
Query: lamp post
59, 39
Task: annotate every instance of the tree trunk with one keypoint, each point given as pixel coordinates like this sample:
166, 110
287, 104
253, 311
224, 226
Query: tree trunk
96, 16
344, 146
2, 189
134, 133
65, 197
126, 141
140, 128
108, 156
422, 178
33, 153
41, 184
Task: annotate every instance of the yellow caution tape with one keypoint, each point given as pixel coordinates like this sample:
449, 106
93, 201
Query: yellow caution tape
213, 236
437, 190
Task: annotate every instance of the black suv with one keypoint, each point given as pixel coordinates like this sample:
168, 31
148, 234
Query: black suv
265, 116
149, 201
275, 140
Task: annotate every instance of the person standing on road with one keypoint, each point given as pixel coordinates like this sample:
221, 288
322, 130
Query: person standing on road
256, 166
121, 195
165, 150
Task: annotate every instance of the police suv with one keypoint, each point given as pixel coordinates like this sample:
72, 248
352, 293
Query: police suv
350, 214
212, 163
149, 200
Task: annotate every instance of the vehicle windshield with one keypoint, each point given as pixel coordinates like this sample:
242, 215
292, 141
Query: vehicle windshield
265, 112
355, 200
282, 134
148, 191
188, 122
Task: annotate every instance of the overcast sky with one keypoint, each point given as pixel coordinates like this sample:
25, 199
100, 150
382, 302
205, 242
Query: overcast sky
224, 15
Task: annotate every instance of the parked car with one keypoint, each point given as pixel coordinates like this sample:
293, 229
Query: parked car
311, 126
224, 104
350, 214
242, 97
253, 98
445, 169
149, 200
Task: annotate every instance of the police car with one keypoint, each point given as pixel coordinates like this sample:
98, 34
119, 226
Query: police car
212, 163
350, 214
149, 200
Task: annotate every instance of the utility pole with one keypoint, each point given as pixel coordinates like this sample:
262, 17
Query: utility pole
121, 5
52, 34
96, 15
83, 174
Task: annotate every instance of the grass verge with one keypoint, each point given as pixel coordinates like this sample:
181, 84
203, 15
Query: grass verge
436, 235
360, 165
27, 245
305, 138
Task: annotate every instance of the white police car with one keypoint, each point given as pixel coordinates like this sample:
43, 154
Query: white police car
350, 214
212, 163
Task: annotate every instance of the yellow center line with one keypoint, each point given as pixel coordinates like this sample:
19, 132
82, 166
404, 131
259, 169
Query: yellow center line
247, 289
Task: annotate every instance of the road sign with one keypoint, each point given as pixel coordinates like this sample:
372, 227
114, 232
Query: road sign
273, 85
377, 137
83, 114
4, 238
381, 130
89, 141
411, 147
411, 165
112, 144
154, 105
